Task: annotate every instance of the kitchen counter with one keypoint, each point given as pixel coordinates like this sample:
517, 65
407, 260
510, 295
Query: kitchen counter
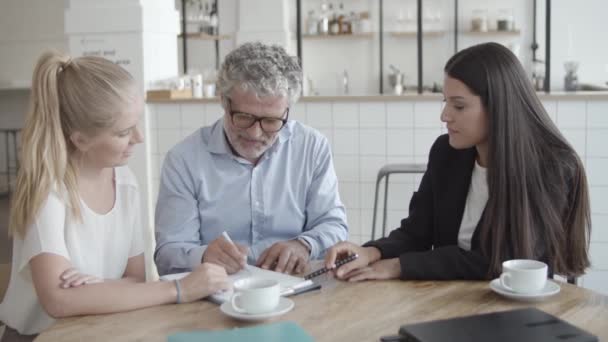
556, 95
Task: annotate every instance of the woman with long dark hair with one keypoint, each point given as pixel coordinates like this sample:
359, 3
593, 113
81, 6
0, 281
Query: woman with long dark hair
502, 184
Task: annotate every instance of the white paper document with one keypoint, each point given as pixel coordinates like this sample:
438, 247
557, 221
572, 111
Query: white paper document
287, 281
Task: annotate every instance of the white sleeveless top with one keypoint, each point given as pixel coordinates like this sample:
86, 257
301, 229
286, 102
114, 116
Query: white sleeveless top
476, 203
99, 245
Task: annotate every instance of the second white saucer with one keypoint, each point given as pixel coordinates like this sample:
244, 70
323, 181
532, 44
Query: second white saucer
551, 288
285, 305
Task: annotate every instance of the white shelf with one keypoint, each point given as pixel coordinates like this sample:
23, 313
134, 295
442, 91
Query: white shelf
412, 34
205, 36
493, 33
353, 36
14, 85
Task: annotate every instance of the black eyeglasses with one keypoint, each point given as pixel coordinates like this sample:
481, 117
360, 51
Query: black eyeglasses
246, 120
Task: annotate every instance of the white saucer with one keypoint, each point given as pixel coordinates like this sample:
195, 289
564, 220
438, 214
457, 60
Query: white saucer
285, 305
551, 288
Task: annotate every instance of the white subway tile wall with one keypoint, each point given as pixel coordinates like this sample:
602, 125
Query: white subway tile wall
596, 114
370, 166
372, 115
597, 169
597, 139
400, 142
372, 142
400, 114
192, 116
319, 115
599, 256
599, 230
346, 141
298, 112
577, 138
551, 108
571, 114
599, 199
345, 115
367, 135
213, 111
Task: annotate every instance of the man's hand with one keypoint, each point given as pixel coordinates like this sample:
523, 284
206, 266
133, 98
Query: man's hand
379, 270
233, 257
285, 257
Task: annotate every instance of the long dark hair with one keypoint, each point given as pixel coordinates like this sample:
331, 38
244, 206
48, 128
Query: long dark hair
538, 205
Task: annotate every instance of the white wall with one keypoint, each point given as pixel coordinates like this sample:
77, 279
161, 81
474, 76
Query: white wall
576, 31
27, 28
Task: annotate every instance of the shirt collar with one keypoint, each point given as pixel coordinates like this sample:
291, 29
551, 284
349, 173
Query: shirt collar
218, 142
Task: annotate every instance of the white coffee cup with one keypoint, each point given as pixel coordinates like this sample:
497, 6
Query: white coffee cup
255, 295
523, 276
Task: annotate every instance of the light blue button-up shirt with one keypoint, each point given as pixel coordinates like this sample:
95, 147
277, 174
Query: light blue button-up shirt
205, 189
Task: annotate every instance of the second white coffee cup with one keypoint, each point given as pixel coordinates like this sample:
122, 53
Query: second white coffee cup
255, 295
523, 275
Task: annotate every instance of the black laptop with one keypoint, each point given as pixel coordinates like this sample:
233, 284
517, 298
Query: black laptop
520, 325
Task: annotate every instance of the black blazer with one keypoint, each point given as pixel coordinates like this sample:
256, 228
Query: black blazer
426, 243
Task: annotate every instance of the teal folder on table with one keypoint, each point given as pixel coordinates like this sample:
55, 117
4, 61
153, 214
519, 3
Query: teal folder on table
273, 332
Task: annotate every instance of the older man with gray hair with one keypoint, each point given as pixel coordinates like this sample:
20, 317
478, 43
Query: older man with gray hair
265, 180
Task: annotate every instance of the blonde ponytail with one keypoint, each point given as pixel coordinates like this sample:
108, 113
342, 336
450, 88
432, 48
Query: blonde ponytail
84, 94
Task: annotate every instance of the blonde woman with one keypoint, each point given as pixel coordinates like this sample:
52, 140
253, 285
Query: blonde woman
77, 238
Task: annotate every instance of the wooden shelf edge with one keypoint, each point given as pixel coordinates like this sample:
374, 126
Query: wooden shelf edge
204, 36
493, 32
166, 94
413, 33
14, 85
339, 36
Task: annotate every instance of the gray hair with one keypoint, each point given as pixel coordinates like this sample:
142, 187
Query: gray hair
266, 70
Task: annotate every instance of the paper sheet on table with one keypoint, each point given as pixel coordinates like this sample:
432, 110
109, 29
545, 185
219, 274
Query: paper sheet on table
285, 280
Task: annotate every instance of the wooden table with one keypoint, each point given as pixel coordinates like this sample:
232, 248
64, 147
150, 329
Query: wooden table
342, 312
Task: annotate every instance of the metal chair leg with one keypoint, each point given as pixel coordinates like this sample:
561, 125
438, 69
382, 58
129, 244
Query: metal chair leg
378, 180
385, 205
8, 165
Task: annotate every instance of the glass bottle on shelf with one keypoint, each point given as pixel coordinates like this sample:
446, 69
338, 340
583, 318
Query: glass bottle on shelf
334, 23
364, 23
400, 21
479, 20
343, 20
505, 21
350, 22
312, 27
323, 24
213, 20
571, 78
410, 21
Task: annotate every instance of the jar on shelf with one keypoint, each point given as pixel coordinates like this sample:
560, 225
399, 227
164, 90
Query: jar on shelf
479, 20
312, 27
505, 21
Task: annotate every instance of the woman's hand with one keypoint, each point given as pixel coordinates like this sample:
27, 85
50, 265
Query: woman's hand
367, 256
204, 280
73, 278
379, 270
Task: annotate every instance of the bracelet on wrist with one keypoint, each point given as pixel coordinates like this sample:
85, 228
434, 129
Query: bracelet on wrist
179, 292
